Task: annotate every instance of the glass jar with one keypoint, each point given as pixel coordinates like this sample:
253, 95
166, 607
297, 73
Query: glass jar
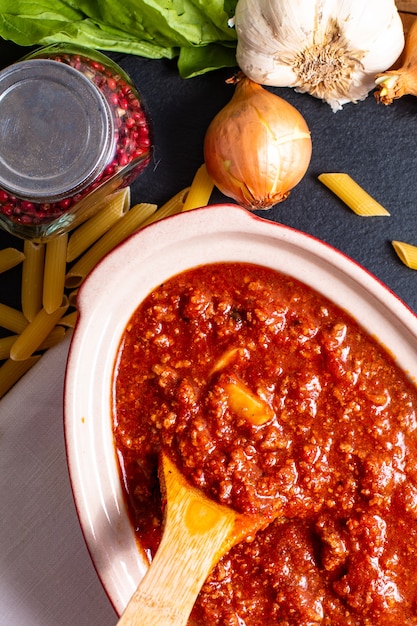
73, 129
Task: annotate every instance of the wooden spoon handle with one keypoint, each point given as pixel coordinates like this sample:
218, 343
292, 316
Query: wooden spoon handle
195, 532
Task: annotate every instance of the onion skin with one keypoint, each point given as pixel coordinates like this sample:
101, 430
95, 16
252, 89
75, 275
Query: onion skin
257, 148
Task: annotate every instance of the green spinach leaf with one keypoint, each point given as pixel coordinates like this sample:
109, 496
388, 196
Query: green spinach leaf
195, 31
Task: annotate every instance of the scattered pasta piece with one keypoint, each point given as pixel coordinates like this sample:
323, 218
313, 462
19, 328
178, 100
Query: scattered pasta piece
354, 196
54, 337
200, 190
72, 298
407, 253
6, 345
36, 332
69, 320
32, 278
173, 206
124, 227
112, 209
10, 257
54, 273
12, 319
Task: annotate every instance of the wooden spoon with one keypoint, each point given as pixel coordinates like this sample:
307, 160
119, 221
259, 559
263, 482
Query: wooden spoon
197, 533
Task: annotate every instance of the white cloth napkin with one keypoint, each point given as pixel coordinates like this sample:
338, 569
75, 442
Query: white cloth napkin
46, 575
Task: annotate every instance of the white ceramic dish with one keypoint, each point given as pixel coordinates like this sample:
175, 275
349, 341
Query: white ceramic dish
106, 302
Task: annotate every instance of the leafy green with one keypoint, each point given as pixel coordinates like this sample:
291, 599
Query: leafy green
195, 31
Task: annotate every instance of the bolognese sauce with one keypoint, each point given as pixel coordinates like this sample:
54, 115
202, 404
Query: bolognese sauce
270, 397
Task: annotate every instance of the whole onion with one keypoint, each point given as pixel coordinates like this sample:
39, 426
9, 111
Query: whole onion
258, 147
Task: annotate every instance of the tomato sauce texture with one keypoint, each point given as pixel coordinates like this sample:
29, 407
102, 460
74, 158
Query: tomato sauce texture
269, 397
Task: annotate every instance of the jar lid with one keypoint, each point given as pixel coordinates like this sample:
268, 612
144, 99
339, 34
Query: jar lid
56, 130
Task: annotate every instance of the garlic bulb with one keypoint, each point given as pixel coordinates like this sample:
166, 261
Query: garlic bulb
331, 49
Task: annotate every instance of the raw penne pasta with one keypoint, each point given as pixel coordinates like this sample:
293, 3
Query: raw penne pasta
69, 320
54, 273
36, 332
54, 337
12, 371
200, 190
90, 204
171, 207
12, 319
32, 278
112, 209
124, 227
353, 195
407, 253
147, 210
10, 257
72, 297
6, 345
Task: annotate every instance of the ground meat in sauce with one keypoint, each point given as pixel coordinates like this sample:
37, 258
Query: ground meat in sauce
333, 446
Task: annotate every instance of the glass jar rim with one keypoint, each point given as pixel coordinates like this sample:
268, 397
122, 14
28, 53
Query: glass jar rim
56, 130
